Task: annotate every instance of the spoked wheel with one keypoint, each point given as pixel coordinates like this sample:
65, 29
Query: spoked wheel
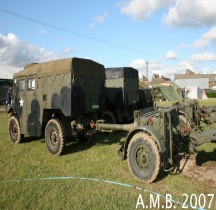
14, 130
144, 157
54, 137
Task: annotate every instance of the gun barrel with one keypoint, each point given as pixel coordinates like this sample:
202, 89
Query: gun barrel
203, 137
105, 127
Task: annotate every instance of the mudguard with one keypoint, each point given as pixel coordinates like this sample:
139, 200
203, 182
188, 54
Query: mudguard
10, 111
158, 138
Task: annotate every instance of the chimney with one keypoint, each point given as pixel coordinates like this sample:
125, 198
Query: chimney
147, 70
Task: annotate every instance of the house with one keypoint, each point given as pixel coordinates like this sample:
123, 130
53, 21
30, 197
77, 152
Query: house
203, 81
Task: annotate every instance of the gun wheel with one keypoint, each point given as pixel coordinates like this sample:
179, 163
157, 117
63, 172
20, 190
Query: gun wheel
144, 157
14, 130
54, 137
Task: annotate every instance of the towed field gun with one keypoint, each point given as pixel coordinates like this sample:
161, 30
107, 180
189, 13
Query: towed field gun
156, 135
70, 97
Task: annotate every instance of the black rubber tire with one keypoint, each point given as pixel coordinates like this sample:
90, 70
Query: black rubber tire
143, 157
14, 130
109, 117
54, 137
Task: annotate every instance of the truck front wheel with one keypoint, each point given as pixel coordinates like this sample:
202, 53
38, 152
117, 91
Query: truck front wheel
144, 157
54, 137
14, 130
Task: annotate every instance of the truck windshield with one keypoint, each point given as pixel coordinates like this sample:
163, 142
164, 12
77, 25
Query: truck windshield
31, 84
21, 85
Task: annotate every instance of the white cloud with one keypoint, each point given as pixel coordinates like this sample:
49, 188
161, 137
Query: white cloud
206, 70
98, 19
142, 9
206, 38
170, 55
68, 50
207, 56
17, 53
41, 32
162, 69
140, 65
210, 35
200, 43
194, 13
186, 64
6, 72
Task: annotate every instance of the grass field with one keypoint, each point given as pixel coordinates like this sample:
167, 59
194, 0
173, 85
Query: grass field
23, 166
207, 102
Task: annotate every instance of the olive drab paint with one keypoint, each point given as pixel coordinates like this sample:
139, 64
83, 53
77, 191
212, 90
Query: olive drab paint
69, 86
122, 92
77, 97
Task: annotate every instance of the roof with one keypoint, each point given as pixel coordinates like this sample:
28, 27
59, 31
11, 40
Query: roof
143, 84
121, 72
78, 66
212, 77
157, 79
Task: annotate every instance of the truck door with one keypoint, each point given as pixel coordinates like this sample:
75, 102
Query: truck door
32, 107
19, 99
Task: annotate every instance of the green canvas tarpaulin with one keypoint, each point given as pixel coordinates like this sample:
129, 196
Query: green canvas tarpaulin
122, 86
77, 66
169, 93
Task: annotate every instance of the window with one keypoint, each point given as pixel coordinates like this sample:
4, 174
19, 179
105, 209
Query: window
31, 84
21, 85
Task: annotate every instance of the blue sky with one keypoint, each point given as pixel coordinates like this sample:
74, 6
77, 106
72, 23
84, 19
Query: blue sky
171, 35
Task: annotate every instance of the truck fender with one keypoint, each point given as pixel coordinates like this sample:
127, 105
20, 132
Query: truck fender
10, 111
158, 139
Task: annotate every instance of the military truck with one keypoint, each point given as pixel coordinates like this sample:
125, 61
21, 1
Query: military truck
58, 99
145, 98
122, 94
67, 97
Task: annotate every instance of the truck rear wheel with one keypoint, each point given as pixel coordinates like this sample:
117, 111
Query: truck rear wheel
54, 137
144, 157
14, 130
109, 117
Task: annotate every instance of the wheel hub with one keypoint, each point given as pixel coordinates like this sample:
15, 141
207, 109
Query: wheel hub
142, 157
53, 137
14, 129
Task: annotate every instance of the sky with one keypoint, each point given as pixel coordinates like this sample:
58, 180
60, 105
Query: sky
172, 35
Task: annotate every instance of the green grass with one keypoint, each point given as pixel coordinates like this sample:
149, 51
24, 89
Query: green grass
97, 160
207, 102
211, 94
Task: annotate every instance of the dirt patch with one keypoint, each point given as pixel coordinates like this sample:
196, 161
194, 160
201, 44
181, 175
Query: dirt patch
3, 110
203, 172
